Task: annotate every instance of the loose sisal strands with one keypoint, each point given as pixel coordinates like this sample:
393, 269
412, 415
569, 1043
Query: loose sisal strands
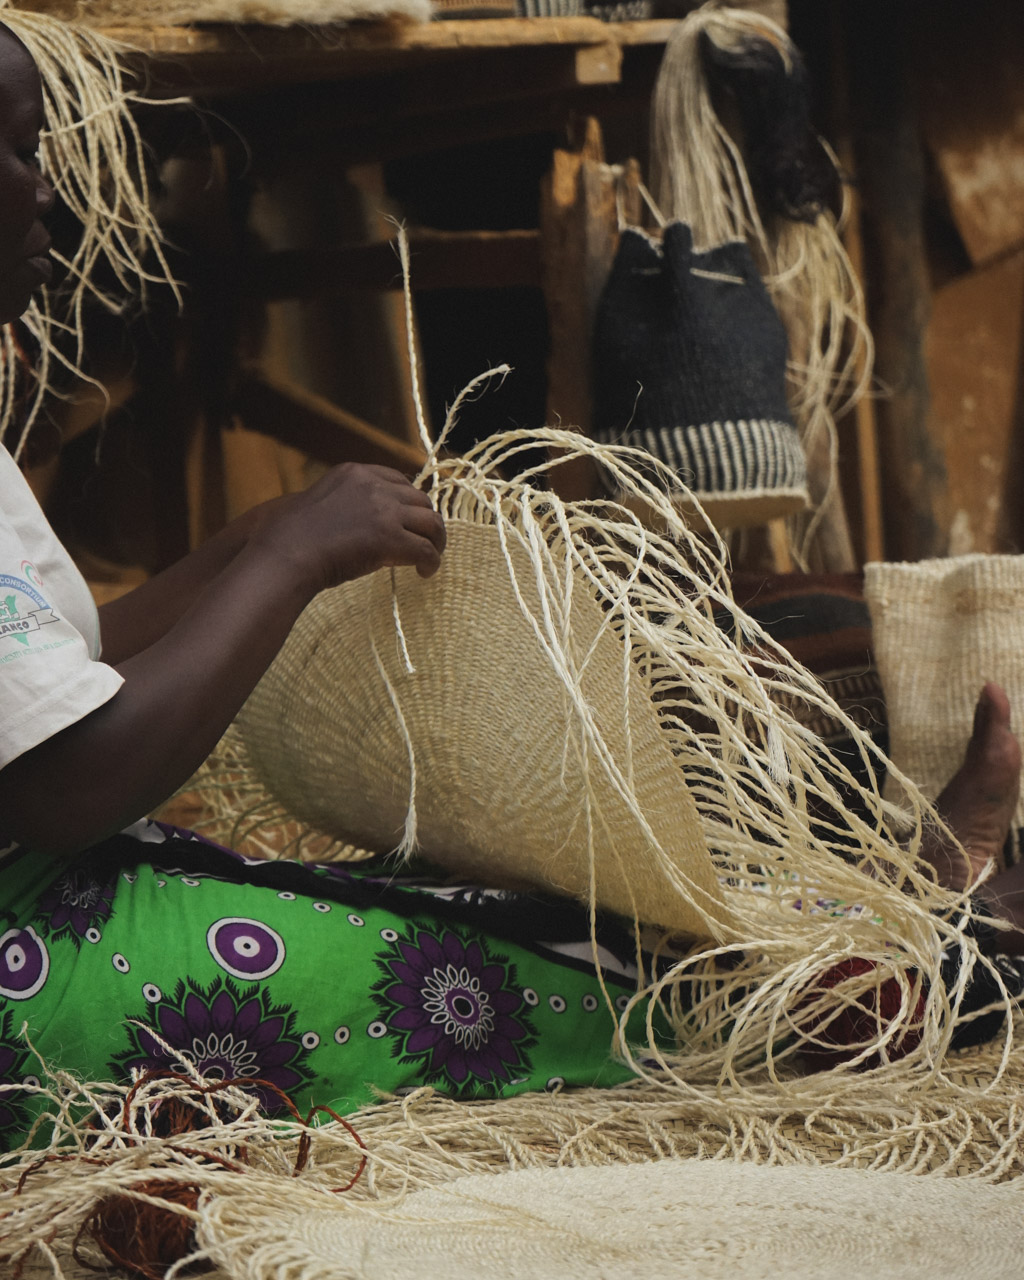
93, 154
730, 823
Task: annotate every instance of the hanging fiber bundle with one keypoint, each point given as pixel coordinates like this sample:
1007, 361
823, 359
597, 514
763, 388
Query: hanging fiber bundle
700, 177
93, 155
690, 364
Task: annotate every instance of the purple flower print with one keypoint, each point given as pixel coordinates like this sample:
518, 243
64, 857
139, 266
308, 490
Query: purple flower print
76, 905
228, 1033
24, 964
14, 1115
454, 1008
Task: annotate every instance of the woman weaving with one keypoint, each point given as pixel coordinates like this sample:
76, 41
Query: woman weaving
124, 942
181, 936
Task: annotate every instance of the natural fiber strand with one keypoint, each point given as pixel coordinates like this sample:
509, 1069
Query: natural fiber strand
747, 783
93, 154
97, 1148
772, 846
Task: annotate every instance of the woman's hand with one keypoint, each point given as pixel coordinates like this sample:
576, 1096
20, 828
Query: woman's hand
358, 518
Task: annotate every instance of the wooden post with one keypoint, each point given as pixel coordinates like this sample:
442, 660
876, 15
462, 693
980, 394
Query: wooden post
891, 174
579, 235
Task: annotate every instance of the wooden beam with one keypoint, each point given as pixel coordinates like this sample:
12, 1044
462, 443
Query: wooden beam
279, 408
262, 42
598, 64
438, 260
218, 58
412, 104
891, 178
272, 135
579, 229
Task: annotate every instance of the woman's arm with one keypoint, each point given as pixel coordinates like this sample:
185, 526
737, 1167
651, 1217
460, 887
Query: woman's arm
139, 618
182, 690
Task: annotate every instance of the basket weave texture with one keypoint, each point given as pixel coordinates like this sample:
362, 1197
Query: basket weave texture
943, 628
504, 791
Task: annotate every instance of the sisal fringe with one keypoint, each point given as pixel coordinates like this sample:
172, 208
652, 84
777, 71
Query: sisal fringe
787, 852
793, 868
699, 177
812, 869
93, 154
101, 1141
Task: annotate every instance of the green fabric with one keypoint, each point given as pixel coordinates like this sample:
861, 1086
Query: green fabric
328, 983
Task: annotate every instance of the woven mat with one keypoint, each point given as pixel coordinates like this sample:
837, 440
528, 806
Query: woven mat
772, 1209
670, 1218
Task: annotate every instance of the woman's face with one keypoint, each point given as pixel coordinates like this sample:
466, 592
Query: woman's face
25, 195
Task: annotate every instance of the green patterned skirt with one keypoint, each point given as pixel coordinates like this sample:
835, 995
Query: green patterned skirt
330, 982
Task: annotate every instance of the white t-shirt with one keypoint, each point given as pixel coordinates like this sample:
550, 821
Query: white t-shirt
50, 673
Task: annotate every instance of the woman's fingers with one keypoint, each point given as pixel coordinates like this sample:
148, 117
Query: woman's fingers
355, 519
425, 538
428, 524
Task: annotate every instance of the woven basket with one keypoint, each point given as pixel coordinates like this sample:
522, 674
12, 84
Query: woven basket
942, 628
688, 1219
502, 792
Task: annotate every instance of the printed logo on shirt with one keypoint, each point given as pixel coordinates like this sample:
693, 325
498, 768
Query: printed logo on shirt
23, 610
32, 573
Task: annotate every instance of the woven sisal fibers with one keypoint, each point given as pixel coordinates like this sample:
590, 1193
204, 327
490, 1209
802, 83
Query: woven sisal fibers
555, 706
501, 778
678, 1219
645, 665
942, 628
965, 1129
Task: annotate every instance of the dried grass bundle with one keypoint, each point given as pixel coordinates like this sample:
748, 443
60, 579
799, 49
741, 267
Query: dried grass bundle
93, 154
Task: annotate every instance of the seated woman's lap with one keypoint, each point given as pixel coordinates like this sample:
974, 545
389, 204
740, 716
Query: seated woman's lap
329, 982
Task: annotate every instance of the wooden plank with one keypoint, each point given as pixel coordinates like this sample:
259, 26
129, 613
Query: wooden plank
274, 135
279, 408
214, 59
261, 42
975, 344
408, 93
860, 477
438, 260
598, 64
